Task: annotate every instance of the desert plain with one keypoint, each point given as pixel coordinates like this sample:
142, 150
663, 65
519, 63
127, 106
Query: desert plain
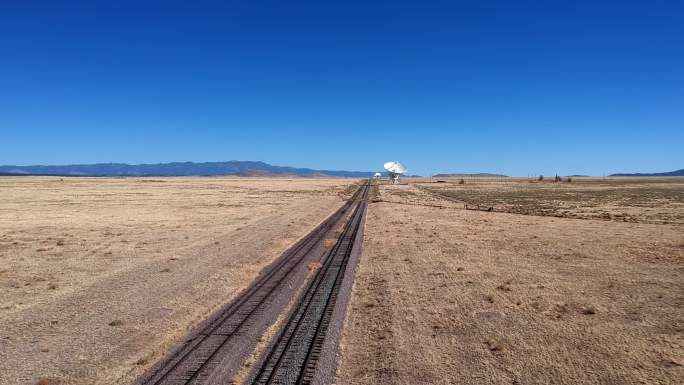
482, 282
100, 277
540, 283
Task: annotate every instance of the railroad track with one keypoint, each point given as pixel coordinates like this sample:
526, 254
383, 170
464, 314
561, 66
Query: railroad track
293, 357
202, 358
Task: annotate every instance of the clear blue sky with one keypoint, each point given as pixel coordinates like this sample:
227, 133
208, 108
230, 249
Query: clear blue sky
518, 87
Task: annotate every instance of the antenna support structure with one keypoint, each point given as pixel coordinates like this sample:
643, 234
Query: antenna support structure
395, 170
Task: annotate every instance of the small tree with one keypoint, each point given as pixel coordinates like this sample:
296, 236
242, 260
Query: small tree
541, 178
461, 181
557, 179
569, 180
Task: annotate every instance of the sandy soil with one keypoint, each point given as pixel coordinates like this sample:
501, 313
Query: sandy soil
99, 277
449, 296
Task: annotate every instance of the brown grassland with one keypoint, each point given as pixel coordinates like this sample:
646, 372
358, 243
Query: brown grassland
578, 283
658, 200
573, 283
101, 276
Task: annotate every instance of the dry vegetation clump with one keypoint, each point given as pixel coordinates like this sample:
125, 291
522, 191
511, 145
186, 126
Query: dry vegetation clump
144, 360
312, 266
495, 345
48, 381
348, 191
588, 310
329, 242
116, 322
504, 287
374, 194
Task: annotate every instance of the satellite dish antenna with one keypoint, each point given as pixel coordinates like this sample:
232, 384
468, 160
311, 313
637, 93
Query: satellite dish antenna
377, 175
395, 169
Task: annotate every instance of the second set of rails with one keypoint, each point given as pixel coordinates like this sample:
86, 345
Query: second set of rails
200, 357
293, 358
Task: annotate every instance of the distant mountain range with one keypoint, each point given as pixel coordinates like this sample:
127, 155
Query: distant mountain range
234, 167
671, 173
482, 174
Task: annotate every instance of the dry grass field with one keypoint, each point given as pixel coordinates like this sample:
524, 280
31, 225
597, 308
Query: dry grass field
623, 199
445, 295
578, 283
99, 277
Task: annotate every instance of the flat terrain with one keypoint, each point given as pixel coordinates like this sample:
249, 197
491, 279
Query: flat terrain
99, 277
445, 295
658, 200
578, 283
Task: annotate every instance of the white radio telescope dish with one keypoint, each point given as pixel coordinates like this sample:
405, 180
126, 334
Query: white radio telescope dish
395, 169
377, 175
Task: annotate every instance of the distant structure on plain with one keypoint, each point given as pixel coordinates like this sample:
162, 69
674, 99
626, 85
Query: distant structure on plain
395, 170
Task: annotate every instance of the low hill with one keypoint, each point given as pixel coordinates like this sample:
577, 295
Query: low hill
482, 174
240, 168
671, 173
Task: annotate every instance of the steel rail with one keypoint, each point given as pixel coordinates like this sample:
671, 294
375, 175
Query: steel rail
292, 358
239, 311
